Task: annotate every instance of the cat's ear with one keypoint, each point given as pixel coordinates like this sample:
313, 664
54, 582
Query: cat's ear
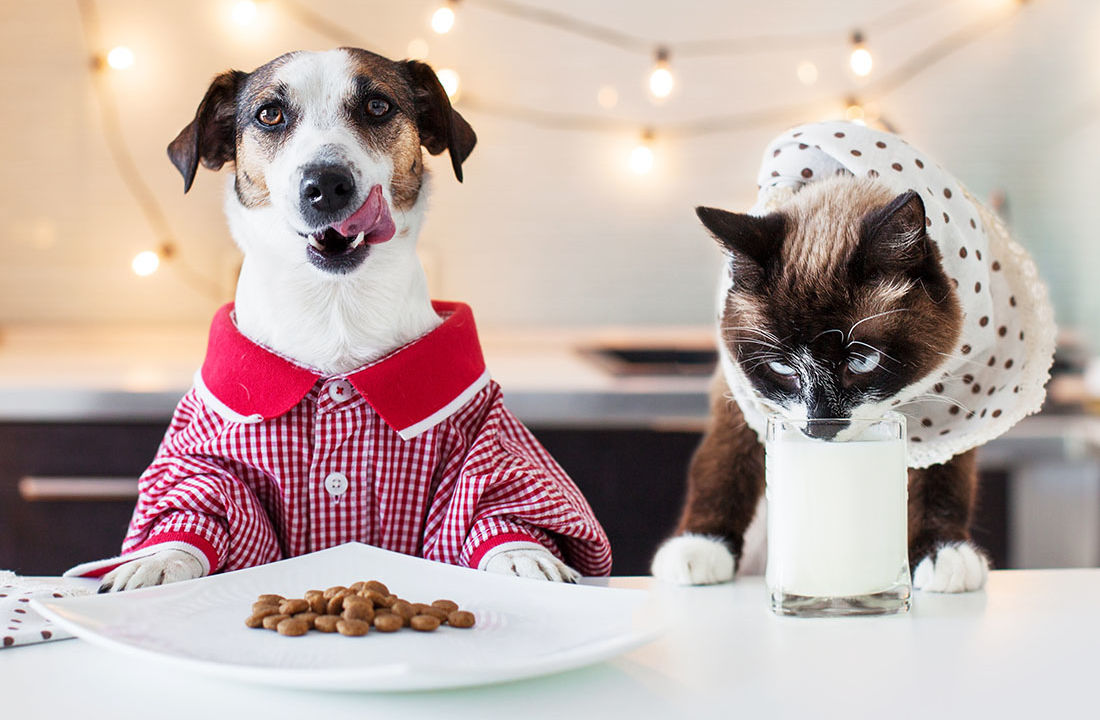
756, 238
893, 238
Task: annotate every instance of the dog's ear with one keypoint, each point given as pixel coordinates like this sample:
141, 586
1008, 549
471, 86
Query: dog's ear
211, 136
440, 126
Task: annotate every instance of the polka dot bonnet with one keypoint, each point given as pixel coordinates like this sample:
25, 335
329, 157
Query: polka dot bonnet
996, 374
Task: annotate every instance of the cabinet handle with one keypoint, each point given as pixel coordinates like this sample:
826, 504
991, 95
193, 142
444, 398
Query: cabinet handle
34, 488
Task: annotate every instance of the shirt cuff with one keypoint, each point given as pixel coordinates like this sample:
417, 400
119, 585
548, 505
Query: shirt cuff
497, 544
191, 543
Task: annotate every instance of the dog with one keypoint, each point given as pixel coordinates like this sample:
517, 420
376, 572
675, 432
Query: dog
332, 311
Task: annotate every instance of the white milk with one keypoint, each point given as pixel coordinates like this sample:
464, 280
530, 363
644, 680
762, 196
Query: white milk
836, 516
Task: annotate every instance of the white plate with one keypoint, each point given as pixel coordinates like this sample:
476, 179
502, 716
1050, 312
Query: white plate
524, 627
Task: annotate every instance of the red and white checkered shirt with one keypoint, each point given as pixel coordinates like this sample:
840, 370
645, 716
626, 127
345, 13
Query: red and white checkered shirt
416, 453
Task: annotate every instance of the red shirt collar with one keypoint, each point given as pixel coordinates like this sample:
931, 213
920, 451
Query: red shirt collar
412, 389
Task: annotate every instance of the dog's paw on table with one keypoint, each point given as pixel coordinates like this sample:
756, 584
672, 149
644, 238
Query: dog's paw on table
958, 567
531, 563
690, 559
164, 567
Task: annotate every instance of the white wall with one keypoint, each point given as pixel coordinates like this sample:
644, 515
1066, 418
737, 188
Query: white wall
549, 227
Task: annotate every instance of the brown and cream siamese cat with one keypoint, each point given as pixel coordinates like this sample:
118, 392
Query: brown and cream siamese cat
840, 302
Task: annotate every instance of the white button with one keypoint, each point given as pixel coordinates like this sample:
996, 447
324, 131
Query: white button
336, 484
340, 390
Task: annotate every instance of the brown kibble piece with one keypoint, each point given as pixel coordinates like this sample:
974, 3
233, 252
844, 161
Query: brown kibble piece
378, 587
357, 587
309, 616
256, 619
352, 628
293, 606
387, 601
358, 611
292, 627
336, 603
333, 591
447, 606
276, 599
461, 619
326, 623
404, 609
388, 622
374, 596
261, 605
272, 621
437, 613
317, 601
424, 623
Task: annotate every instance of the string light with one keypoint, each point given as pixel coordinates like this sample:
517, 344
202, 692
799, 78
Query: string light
145, 263
120, 58
855, 112
641, 157
243, 12
449, 80
417, 49
443, 19
661, 80
807, 72
860, 60
607, 97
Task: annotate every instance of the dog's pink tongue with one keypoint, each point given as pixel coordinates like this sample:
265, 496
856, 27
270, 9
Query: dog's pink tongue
373, 218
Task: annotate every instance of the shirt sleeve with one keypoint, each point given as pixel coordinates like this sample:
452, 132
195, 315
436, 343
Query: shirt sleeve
188, 500
509, 490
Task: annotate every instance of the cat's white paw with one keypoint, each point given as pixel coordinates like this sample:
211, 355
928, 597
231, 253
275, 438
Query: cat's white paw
533, 563
958, 567
160, 568
693, 560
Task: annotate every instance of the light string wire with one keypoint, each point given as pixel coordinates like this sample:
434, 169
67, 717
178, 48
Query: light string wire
132, 178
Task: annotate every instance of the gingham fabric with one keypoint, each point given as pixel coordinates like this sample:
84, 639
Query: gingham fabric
414, 453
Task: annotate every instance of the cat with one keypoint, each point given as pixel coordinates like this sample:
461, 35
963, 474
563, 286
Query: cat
839, 305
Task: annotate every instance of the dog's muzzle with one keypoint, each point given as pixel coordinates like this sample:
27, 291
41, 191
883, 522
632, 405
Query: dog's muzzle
342, 246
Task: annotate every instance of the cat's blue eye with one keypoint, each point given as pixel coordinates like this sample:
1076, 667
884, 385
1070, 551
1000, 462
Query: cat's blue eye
865, 363
781, 369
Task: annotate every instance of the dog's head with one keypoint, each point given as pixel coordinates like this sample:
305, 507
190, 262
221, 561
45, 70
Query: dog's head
326, 148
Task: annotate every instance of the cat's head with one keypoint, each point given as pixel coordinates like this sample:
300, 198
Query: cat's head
839, 298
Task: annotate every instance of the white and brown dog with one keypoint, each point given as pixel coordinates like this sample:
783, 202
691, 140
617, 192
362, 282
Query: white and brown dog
326, 203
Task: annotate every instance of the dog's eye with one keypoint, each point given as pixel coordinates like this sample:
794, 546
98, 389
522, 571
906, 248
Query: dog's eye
270, 115
860, 364
377, 107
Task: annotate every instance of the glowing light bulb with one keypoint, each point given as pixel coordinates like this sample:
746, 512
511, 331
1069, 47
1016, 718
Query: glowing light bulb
417, 49
855, 113
641, 157
145, 263
244, 12
607, 97
661, 80
120, 57
443, 19
860, 60
807, 72
449, 80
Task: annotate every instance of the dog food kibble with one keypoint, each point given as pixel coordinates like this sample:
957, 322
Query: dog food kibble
461, 619
424, 623
447, 606
352, 610
326, 623
272, 621
388, 622
293, 606
352, 628
293, 627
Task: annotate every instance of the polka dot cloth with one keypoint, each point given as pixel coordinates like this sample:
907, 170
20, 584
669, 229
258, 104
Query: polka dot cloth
19, 623
996, 373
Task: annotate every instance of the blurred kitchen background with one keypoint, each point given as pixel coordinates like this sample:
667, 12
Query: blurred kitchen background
601, 125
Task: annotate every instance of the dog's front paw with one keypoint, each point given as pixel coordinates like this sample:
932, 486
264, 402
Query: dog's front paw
165, 566
958, 567
694, 560
531, 563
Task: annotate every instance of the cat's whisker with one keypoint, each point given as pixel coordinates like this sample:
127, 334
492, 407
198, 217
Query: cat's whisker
939, 398
826, 332
872, 317
880, 352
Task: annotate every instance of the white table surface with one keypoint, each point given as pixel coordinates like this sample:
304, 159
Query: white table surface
1026, 647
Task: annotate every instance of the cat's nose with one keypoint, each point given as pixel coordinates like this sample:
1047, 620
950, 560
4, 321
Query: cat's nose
825, 428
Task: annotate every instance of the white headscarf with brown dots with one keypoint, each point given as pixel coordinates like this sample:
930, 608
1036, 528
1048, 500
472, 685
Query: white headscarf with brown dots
996, 374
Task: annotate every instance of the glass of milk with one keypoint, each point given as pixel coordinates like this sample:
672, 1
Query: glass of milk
837, 495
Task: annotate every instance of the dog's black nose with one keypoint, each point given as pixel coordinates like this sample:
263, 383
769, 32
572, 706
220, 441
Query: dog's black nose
326, 189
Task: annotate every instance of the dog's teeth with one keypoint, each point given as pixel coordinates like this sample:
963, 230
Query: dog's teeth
316, 243
358, 239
